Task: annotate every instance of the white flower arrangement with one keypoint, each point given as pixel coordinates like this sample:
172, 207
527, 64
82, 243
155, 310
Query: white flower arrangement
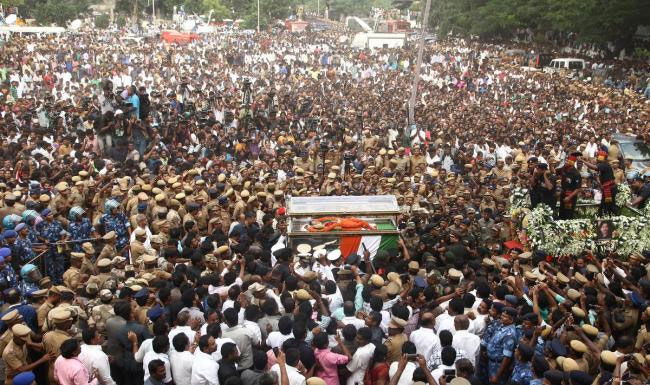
571, 237
623, 194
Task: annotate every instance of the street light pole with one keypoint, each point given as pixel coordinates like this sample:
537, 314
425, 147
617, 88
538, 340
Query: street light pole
153, 12
258, 16
416, 78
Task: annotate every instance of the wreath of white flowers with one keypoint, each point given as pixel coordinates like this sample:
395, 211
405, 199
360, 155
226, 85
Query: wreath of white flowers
572, 237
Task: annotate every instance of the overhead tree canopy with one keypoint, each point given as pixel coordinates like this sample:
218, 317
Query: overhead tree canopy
591, 20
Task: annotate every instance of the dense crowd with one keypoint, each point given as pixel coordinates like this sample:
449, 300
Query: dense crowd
144, 217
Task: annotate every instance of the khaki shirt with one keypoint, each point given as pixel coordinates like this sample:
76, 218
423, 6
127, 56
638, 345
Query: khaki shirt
72, 278
14, 357
41, 314
6, 337
394, 345
108, 251
52, 342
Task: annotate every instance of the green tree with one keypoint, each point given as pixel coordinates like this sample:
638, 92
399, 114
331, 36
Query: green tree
591, 20
59, 11
220, 11
102, 21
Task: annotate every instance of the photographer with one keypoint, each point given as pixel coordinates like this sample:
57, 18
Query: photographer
104, 126
542, 184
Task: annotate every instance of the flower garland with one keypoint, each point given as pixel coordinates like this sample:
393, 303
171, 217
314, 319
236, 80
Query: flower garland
623, 194
571, 237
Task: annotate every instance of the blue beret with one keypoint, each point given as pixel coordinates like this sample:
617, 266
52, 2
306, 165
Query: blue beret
20, 226
24, 378
223, 200
143, 293
46, 212
142, 206
420, 282
511, 299
193, 206
558, 348
5, 252
637, 300
155, 312
511, 311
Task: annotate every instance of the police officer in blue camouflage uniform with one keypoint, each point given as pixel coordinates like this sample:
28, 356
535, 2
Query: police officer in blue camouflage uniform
79, 228
113, 220
522, 372
29, 218
493, 325
501, 347
30, 277
7, 272
539, 366
21, 247
51, 229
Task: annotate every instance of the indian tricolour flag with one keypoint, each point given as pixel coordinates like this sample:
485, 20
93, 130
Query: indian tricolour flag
357, 244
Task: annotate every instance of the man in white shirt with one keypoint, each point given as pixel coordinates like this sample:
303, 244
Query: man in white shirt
425, 338
445, 321
160, 347
181, 360
93, 358
250, 323
406, 378
275, 339
448, 359
464, 340
361, 358
204, 367
182, 327
350, 317
292, 357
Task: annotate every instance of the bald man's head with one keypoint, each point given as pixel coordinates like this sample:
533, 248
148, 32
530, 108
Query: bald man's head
461, 322
427, 320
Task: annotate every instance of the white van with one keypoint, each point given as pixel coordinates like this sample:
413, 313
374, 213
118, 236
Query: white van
565, 64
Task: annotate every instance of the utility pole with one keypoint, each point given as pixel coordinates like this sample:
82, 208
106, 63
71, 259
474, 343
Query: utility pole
153, 12
258, 16
418, 65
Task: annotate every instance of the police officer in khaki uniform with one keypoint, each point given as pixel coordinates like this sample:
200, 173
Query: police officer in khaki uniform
102, 312
15, 354
53, 299
396, 339
142, 299
87, 266
10, 319
72, 277
240, 206
52, 340
60, 205
104, 267
137, 245
118, 263
151, 266
109, 250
